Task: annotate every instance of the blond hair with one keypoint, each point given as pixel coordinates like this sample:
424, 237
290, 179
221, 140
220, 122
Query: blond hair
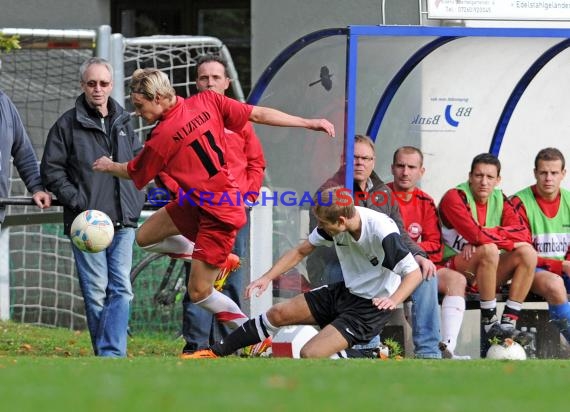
150, 83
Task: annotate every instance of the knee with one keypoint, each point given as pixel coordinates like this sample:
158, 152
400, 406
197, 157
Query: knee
307, 353
527, 255
554, 289
457, 283
197, 295
140, 240
275, 315
425, 293
488, 252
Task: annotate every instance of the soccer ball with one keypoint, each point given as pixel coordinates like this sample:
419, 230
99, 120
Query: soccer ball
508, 350
92, 231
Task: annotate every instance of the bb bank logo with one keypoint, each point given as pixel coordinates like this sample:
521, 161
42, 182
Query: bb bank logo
452, 115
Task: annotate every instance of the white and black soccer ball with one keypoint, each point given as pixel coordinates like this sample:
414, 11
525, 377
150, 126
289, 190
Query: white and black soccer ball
92, 231
508, 350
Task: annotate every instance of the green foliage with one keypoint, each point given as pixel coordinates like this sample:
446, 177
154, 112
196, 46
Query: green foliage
9, 43
495, 341
394, 346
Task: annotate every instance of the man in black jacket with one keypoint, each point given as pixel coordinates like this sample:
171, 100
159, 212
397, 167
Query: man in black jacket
370, 191
97, 126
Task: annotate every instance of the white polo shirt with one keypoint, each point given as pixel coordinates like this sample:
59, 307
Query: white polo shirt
372, 266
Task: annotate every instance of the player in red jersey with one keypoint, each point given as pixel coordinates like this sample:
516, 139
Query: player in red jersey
187, 144
419, 215
485, 238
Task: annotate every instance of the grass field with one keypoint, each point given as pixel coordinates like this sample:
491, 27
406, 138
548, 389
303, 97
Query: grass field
45, 369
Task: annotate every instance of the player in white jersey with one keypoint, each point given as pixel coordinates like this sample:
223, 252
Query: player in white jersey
379, 273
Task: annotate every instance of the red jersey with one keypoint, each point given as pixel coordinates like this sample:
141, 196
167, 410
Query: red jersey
246, 163
187, 144
550, 210
246, 160
419, 215
455, 213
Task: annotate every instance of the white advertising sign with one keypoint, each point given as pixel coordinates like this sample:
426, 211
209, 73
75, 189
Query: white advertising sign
499, 9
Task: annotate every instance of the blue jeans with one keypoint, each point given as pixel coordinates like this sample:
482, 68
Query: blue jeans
426, 322
199, 327
105, 282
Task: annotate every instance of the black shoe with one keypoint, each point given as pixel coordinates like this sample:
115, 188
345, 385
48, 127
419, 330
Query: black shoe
500, 331
188, 349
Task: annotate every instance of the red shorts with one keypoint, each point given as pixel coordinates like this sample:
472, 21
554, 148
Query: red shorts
213, 239
471, 286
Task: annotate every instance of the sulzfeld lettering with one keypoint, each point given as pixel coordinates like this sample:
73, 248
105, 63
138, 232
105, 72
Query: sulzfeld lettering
191, 126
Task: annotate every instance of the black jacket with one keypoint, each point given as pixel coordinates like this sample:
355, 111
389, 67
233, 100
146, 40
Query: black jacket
384, 202
74, 142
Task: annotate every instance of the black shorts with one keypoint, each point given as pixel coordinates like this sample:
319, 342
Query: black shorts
356, 318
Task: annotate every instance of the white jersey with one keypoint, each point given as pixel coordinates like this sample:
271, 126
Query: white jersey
372, 265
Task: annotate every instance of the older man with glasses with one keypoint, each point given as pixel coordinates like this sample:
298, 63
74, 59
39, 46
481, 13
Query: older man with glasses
97, 126
323, 266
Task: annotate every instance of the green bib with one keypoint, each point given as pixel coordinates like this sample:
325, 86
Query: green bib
550, 236
493, 217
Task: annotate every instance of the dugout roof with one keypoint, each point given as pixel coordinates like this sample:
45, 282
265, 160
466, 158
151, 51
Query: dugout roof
454, 92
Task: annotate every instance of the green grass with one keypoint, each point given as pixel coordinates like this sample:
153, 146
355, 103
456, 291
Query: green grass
19, 339
44, 378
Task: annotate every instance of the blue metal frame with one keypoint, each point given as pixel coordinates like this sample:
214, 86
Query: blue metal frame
397, 81
518, 91
446, 34
443, 35
285, 55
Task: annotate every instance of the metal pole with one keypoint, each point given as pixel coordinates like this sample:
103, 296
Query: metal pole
117, 61
4, 274
103, 42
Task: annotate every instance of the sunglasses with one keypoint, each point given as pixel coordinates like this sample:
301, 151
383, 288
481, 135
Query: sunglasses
93, 83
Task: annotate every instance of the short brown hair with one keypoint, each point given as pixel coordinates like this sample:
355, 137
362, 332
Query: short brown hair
548, 154
408, 150
332, 203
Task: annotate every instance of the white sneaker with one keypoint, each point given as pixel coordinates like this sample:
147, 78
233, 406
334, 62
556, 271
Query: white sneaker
460, 357
448, 354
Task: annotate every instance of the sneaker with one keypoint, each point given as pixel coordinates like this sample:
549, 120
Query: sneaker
231, 264
188, 348
200, 354
260, 349
500, 331
461, 357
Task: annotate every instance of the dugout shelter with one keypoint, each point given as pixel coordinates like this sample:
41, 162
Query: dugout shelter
454, 92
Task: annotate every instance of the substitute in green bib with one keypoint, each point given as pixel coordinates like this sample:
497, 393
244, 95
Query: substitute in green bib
545, 209
487, 241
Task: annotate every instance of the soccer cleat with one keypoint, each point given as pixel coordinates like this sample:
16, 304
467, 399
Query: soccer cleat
500, 331
232, 263
200, 354
260, 349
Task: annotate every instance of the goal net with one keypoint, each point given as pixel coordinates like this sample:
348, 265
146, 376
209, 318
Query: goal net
42, 80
